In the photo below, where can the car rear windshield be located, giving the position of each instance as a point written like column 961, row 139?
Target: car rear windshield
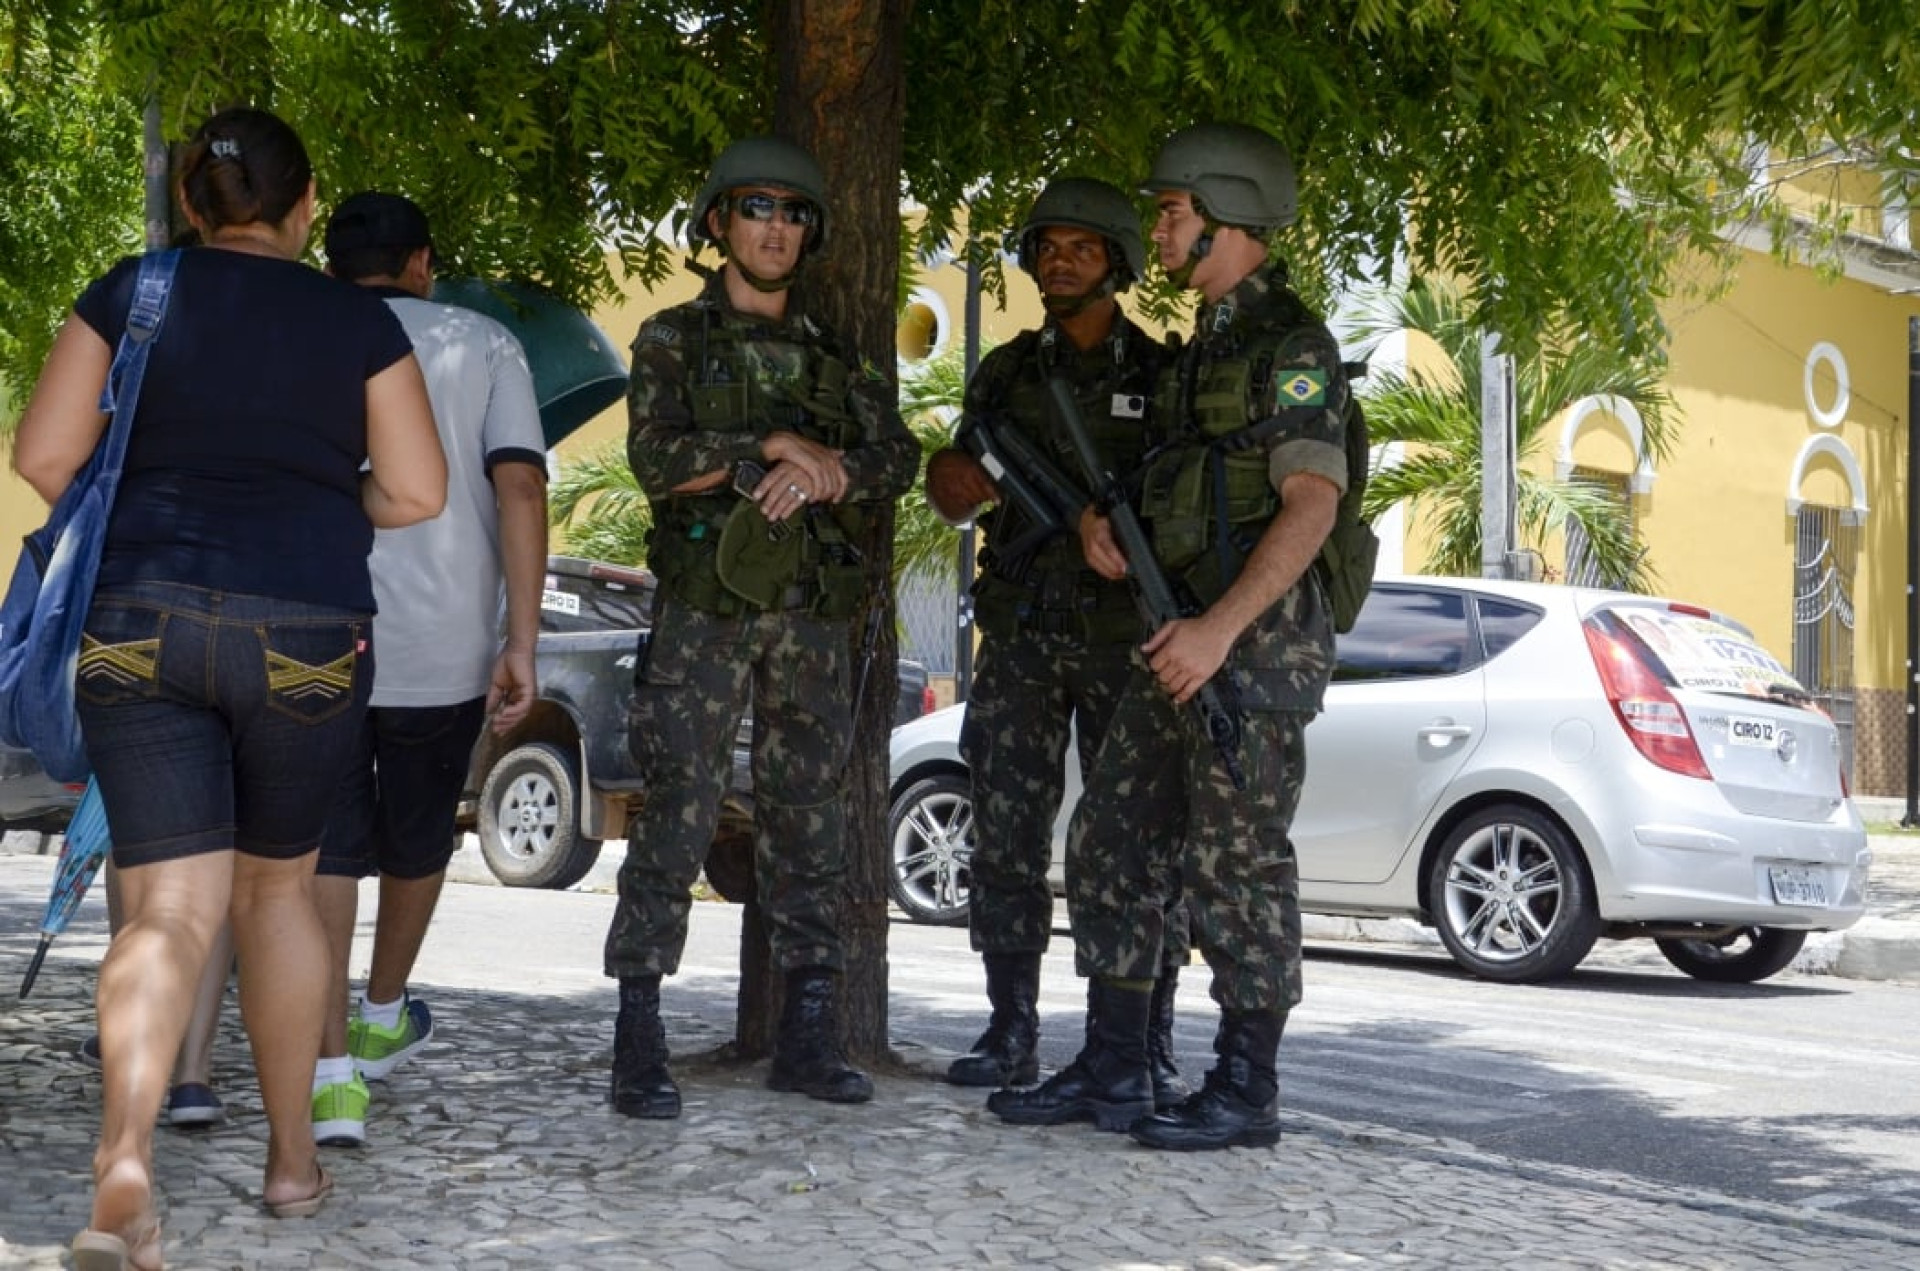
column 1707, row 655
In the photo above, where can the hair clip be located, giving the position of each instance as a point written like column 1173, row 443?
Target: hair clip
column 225, row 148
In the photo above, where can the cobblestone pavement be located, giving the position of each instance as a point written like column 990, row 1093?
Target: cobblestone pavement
column 495, row 1150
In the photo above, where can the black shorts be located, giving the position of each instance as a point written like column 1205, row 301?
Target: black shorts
column 396, row 807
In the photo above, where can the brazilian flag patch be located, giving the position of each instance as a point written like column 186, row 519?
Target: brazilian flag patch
column 1300, row 386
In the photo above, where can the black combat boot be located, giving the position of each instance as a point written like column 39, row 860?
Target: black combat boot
column 1238, row 1105
column 1107, row 1083
column 807, row 1057
column 1169, row 1087
column 1004, row 1055
column 642, row 1086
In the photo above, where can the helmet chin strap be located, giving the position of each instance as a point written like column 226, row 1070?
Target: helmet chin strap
column 767, row 286
column 1201, row 249
column 1069, row 306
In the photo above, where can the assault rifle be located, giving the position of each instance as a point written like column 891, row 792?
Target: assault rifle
column 1027, row 479
column 1152, row 591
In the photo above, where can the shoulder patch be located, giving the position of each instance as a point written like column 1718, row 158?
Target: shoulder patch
column 1300, row 386
column 659, row 333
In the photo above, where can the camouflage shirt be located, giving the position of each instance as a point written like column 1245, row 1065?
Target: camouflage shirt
column 1259, row 357
column 709, row 383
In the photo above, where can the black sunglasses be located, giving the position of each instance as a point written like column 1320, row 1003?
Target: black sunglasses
column 761, row 207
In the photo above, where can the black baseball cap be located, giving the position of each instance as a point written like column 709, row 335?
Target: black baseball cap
column 373, row 219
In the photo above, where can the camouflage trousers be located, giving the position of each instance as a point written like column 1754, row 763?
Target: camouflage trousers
column 696, row 679
column 1159, row 807
column 1031, row 694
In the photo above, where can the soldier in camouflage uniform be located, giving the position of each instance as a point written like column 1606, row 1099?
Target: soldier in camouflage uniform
column 1238, row 500
column 762, row 448
column 1056, row 639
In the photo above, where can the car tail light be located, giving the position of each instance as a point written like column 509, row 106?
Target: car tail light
column 928, row 703
column 1641, row 702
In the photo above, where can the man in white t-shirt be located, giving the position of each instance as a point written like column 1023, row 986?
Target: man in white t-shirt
column 441, row 668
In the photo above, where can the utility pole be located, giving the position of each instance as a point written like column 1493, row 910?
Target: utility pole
column 1497, row 484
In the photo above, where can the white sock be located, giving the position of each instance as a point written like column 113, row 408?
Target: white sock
column 382, row 1014
column 332, row 1070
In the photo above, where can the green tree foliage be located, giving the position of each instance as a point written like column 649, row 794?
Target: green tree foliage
column 1435, row 413
column 1561, row 153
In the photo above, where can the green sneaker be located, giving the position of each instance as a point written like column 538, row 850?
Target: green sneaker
column 378, row 1051
column 340, row 1113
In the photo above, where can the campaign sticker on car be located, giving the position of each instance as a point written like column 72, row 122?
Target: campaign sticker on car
column 1797, row 885
column 1745, row 730
column 560, row 602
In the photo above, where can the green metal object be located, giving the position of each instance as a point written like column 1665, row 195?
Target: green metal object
column 577, row 370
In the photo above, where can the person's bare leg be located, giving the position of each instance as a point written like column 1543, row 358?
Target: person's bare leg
column 284, row 980
column 172, row 912
column 339, row 902
column 194, row 1064
column 406, row 909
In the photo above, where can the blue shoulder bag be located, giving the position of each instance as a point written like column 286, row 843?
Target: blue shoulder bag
column 46, row 604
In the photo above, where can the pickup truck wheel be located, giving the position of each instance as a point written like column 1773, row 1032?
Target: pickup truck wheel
column 530, row 819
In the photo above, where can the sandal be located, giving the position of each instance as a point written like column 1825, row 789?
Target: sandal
column 306, row 1206
column 104, row 1251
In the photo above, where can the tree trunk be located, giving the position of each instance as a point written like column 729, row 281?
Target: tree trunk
column 842, row 94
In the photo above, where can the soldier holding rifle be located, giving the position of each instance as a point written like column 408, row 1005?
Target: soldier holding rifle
column 1056, row 637
column 1242, row 489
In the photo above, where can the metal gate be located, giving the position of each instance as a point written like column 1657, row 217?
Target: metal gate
column 1825, row 549
column 1582, row 571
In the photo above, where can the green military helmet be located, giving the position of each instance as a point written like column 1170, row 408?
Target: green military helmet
column 768, row 161
column 1087, row 204
column 1237, row 173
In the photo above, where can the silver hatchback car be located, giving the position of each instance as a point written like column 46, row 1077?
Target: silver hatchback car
column 1527, row 768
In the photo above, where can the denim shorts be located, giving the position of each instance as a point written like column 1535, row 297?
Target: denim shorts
column 219, row 720
column 397, row 803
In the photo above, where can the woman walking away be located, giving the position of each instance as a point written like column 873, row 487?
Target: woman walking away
column 228, row 654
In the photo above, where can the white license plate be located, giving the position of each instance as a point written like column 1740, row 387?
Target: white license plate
column 1792, row 886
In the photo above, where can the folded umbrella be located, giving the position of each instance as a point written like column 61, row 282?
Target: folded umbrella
column 80, row 859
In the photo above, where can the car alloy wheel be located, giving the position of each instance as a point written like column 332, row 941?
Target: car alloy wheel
column 1510, row 894
column 1743, row 956
column 930, row 832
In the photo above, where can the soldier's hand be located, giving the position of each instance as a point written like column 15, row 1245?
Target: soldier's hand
column 957, row 485
column 1186, row 653
column 813, row 470
column 1099, row 546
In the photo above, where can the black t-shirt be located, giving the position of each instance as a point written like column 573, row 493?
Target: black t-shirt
column 243, row 466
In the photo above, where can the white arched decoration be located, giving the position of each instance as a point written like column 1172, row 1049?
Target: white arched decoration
column 1828, row 444
column 931, row 307
column 1830, row 416
column 1641, row 481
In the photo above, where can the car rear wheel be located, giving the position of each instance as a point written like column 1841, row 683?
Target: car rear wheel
column 530, row 819
column 1511, row 897
column 931, row 832
column 1745, row 956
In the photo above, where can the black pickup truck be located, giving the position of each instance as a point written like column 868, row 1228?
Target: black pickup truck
column 542, row 798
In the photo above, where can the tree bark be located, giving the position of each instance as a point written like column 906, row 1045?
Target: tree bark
column 841, row 93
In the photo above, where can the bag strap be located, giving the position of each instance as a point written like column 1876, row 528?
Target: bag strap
column 121, row 396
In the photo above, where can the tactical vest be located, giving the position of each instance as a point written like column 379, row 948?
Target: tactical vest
column 758, row 377
column 1209, row 503
column 1051, row 589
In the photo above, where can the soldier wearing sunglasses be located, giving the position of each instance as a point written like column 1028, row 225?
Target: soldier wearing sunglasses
column 763, row 448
